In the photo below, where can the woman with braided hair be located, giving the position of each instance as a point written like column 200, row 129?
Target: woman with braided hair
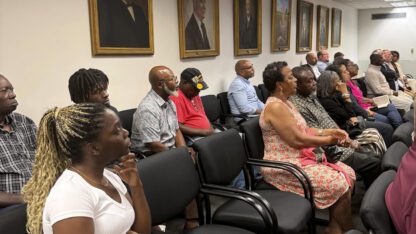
column 70, row 190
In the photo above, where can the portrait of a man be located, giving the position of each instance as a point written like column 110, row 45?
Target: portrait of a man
column 196, row 36
column 322, row 29
column 304, row 26
column 281, row 25
column 198, row 28
column 247, row 27
column 336, row 27
column 248, row 24
column 122, row 26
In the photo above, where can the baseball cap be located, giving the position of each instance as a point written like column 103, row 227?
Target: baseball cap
column 194, row 76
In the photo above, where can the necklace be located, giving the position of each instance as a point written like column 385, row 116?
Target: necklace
column 105, row 184
column 194, row 105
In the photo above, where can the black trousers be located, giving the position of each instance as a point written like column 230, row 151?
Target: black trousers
column 385, row 130
column 366, row 165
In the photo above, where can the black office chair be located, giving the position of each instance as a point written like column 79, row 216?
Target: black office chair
column 228, row 117
column 170, row 182
column 393, row 156
column 254, row 144
column 264, row 91
column 13, row 219
column 220, row 158
column 212, row 109
column 403, row 133
column 409, row 116
column 259, row 93
column 126, row 118
column 373, row 211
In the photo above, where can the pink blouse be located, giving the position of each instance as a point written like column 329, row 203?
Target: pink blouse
column 356, row 91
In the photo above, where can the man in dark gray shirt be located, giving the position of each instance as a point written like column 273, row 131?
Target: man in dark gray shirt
column 316, row 116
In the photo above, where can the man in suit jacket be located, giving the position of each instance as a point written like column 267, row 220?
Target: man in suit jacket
column 248, row 26
column 122, row 23
column 195, row 32
column 311, row 61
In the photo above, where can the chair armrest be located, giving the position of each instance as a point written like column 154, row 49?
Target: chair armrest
column 261, row 205
column 293, row 169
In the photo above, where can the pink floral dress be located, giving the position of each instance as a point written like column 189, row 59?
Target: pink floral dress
column 328, row 184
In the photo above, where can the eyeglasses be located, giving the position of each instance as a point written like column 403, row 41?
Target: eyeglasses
column 244, row 68
column 7, row 90
column 172, row 78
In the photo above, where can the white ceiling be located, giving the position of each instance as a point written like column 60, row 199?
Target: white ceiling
column 367, row 4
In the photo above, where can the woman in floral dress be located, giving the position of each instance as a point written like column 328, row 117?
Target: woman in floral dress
column 288, row 138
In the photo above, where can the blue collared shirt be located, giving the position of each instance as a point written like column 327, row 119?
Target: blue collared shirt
column 242, row 97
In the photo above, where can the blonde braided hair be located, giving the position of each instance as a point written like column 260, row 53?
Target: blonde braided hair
column 59, row 141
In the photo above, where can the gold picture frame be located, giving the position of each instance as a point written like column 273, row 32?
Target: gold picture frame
column 281, row 24
column 304, row 24
column 198, row 38
column 121, row 29
column 247, row 27
column 336, row 27
column 322, row 29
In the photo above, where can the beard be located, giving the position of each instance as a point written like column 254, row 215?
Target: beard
column 170, row 92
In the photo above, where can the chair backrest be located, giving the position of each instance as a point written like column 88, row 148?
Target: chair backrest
column 362, row 86
column 264, row 92
column 170, row 183
column 221, row 157
column 225, row 106
column 403, row 133
column 212, row 107
column 126, row 117
column 253, row 138
column 259, row 93
column 13, row 219
column 373, row 211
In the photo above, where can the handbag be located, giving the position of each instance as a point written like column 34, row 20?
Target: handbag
column 357, row 129
column 333, row 153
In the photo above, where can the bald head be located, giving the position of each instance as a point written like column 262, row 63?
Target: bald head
column 311, row 59
column 159, row 73
column 244, row 68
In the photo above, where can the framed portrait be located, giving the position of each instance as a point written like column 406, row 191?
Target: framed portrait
column 322, row 30
column 121, row 27
column 281, row 18
column 198, row 28
column 304, row 26
column 336, row 27
column 247, row 27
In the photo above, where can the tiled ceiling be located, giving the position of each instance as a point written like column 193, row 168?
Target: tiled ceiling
column 367, row 4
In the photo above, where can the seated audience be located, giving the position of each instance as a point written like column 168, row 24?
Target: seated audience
column 311, row 61
column 155, row 125
column 193, row 122
column 316, row 117
column 409, row 85
column 387, row 114
column 70, row 190
column 377, row 84
column 323, row 60
column 338, row 55
column 89, row 85
column 338, row 102
column 287, row 138
column 393, row 78
column 241, row 94
column 400, row 195
column 17, row 146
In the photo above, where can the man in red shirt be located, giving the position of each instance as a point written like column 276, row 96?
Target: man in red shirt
column 192, row 119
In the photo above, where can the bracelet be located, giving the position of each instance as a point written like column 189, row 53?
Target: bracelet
column 320, row 132
column 345, row 95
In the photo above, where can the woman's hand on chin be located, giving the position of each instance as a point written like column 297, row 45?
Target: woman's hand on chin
column 127, row 170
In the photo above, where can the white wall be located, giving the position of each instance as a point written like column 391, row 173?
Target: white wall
column 43, row 42
column 394, row 34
